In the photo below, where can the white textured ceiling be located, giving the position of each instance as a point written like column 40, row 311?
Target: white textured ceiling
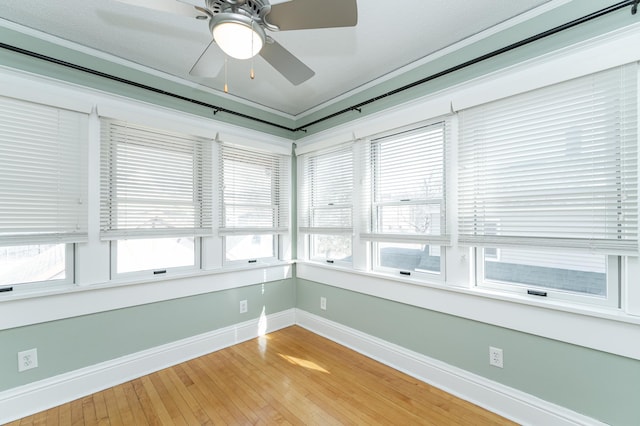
column 389, row 35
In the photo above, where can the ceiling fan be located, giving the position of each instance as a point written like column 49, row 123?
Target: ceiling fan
column 239, row 28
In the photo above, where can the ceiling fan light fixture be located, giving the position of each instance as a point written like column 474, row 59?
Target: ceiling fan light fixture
column 237, row 36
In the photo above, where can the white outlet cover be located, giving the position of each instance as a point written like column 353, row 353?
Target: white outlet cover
column 496, row 357
column 243, row 306
column 27, row 359
column 323, row 303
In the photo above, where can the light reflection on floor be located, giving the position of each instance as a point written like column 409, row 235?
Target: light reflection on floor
column 310, row 365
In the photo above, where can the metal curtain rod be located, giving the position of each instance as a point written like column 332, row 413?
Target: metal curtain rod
column 357, row 107
column 215, row 108
column 555, row 30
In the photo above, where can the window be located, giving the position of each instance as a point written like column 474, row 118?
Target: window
column 43, row 191
column 156, row 197
column 549, row 178
column 254, row 203
column 542, row 270
column 326, row 203
column 407, row 204
column 35, row 263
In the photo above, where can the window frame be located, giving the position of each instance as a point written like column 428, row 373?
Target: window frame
column 201, row 178
column 154, row 272
column 308, row 205
column 69, row 279
column 373, row 203
column 422, row 275
column 614, row 273
column 249, row 261
column 280, row 188
column 328, row 260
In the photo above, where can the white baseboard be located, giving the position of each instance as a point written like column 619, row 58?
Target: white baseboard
column 516, row 405
column 506, row 401
column 35, row 397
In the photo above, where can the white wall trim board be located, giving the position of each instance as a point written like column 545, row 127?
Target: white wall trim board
column 130, row 64
column 604, row 330
column 563, row 64
column 33, row 87
column 74, row 300
column 503, row 400
column 545, row 8
column 35, row 397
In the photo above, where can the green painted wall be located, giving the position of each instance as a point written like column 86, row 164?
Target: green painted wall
column 74, row 343
column 597, row 384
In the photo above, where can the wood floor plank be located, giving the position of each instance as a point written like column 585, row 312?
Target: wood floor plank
column 290, row 377
column 368, row 379
column 28, row 421
column 101, row 409
column 89, row 411
column 200, row 393
column 64, row 414
column 224, row 388
column 303, row 382
column 154, row 409
column 163, row 397
column 113, row 410
column 189, row 406
column 294, row 394
column 77, row 414
column 136, row 405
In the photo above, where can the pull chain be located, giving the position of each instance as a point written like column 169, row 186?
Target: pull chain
column 226, row 88
column 252, row 73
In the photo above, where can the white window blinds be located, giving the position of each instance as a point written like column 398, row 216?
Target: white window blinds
column 326, row 191
column 555, row 167
column 43, row 176
column 407, row 186
column 254, row 196
column 153, row 183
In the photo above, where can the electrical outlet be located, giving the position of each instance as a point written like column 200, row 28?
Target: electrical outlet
column 495, row 357
column 323, row 303
column 243, row 306
column 27, row 359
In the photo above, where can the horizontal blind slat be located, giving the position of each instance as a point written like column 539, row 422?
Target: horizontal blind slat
column 254, row 196
column 553, row 166
column 154, row 183
column 326, row 191
column 43, row 178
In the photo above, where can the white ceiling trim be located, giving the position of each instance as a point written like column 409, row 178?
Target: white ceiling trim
column 547, row 7
column 130, row 64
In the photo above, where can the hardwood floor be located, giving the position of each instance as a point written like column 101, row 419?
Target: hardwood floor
column 291, row 376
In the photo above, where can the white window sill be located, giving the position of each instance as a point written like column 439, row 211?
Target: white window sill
column 35, row 305
column 607, row 329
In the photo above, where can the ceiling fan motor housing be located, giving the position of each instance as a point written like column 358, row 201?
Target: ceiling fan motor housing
column 254, row 10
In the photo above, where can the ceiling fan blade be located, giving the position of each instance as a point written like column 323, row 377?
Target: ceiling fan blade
column 169, row 6
column 310, row 14
column 209, row 62
column 285, row 63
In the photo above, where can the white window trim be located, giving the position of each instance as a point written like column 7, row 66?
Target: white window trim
column 603, row 329
column 411, row 275
column 69, row 278
column 333, row 262
column 27, row 307
column 612, row 300
column 567, row 63
column 155, row 273
column 267, row 260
